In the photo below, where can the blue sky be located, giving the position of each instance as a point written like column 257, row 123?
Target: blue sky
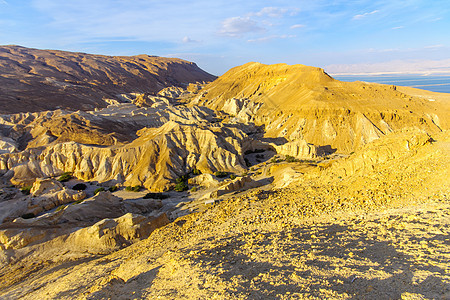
column 347, row 36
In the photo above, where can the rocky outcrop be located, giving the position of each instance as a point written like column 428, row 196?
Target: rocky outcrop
column 204, row 180
column 109, row 235
column 46, row 194
column 238, row 184
column 297, row 149
column 153, row 160
column 38, row 80
column 374, row 155
column 19, row 232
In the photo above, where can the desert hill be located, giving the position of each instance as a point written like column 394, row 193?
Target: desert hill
column 302, row 102
column 271, row 182
column 35, row 80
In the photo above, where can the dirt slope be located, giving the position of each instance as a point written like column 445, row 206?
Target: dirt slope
column 302, row 102
column 36, row 80
column 325, row 237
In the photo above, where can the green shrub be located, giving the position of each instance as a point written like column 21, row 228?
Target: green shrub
column 100, row 189
column 220, row 174
column 194, row 189
column 66, row 176
column 182, row 178
column 159, row 196
column 196, row 172
column 113, row 188
column 79, row 187
column 290, row 159
column 232, row 177
column 77, row 202
column 27, row 216
column 181, row 186
column 60, row 208
column 26, row 190
column 136, row 188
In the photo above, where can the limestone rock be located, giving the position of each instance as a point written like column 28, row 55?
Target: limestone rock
column 7, row 145
column 204, row 180
column 238, row 184
column 109, row 235
column 298, row 149
column 153, row 160
column 45, row 186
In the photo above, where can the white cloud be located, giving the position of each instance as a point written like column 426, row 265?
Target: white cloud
column 237, row 26
column 3, row 2
column 358, row 17
column 398, row 27
column 188, row 40
column 297, row 26
column 271, row 37
column 273, row 12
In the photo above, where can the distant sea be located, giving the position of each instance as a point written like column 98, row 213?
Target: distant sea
column 434, row 83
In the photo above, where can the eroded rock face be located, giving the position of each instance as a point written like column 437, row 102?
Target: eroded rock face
column 153, row 160
column 38, row 80
column 204, row 180
column 304, row 103
column 109, row 235
column 19, row 232
column 46, row 194
column 297, row 149
column 45, row 186
column 401, row 144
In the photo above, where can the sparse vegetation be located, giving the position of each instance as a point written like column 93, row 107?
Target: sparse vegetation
column 220, row 174
column 159, row 196
column 77, row 202
column 182, row 183
column 79, row 187
column 100, row 189
column 182, row 178
column 194, row 189
column 113, row 188
column 196, row 172
column 26, row 190
column 181, row 186
column 136, row 188
column 232, row 177
column 60, row 208
column 290, row 159
column 66, row 176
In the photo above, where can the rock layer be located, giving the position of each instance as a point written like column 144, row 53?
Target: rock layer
column 304, row 103
column 36, row 80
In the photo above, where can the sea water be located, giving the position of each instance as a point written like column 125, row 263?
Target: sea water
column 434, row 83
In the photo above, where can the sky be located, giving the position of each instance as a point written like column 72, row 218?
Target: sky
column 360, row 36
